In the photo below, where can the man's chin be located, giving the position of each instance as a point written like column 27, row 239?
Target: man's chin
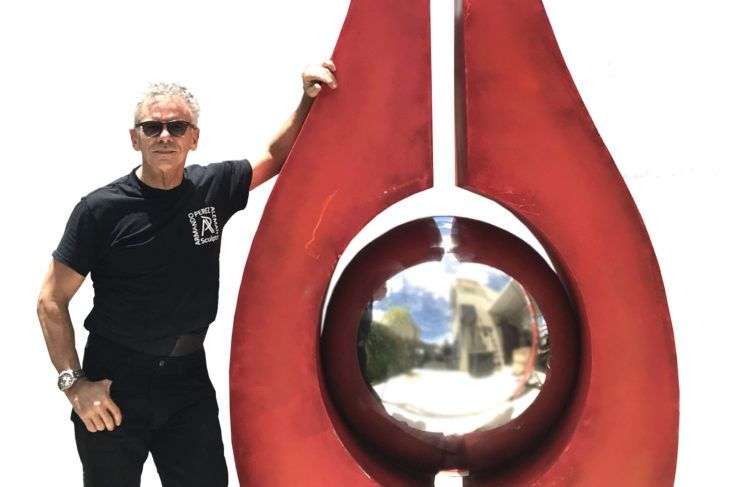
column 164, row 162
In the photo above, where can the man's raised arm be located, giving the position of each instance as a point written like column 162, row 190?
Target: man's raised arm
column 269, row 164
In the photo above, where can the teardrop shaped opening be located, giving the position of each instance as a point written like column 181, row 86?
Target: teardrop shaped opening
column 446, row 333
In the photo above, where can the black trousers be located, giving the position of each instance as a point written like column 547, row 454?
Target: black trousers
column 169, row 409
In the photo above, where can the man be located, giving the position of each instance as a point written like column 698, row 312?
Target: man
column 151, row 241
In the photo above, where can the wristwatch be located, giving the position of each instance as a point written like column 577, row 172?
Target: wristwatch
column 67, row 378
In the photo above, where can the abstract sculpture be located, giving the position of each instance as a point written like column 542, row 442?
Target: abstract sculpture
column 525, row 141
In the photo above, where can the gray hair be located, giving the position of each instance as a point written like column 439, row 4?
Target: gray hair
column 156, row 90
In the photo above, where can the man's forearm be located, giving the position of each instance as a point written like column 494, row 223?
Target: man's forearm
column 90, row 400
column 314, row 77
column 270, row 163
column 58, row 334
column 282, row 143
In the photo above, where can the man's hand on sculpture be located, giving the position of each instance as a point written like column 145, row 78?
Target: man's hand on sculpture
column 93, row 404
column 315, row 75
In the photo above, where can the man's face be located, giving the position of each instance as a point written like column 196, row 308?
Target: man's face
column 165, row 151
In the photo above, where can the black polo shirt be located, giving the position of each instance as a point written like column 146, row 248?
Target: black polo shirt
column 153, row 254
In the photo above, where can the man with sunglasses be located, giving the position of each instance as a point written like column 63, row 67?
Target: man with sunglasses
column 150, row 240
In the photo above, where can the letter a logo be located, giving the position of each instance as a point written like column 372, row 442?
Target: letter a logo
column 208, row 224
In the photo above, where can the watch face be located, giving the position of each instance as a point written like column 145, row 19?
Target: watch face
column 65, row 380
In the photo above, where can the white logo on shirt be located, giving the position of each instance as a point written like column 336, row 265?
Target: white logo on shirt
column 209, row 227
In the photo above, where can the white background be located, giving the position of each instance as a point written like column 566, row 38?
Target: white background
column 665, row 83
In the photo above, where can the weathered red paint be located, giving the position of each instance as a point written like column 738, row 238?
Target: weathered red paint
column 525, row 141
column 362, row 148
column 531, row 146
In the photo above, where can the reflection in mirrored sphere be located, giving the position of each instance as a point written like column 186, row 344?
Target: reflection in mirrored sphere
column 453, row 347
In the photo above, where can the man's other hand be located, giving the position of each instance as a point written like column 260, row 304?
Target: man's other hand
column 315, row 75
column 93, row 404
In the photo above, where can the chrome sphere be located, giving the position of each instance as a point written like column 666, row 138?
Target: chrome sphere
column 453, row 347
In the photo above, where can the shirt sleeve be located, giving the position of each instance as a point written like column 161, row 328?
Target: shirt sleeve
column 239, row 174
column 78, row 246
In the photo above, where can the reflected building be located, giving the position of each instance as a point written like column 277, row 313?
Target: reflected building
column 493, row 329
column 478, row 341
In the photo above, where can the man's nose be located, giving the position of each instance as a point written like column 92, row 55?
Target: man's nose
column 164, row 132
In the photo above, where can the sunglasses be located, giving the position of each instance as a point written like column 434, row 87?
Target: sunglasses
column 176, row 128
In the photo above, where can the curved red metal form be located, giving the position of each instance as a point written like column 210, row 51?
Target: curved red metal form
column 530, row 145
column 362, row 148
column 408, row 245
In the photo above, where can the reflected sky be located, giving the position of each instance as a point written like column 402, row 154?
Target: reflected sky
column 425, row 290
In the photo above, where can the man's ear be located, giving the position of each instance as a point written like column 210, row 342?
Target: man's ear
column 196, row 136
column 134, row 140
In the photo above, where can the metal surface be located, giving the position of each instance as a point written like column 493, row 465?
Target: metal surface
column 453, row 347
column 478, row 248
column 527, row 142
column 375, row 127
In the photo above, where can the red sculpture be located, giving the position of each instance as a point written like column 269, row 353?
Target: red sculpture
column 525, row 141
